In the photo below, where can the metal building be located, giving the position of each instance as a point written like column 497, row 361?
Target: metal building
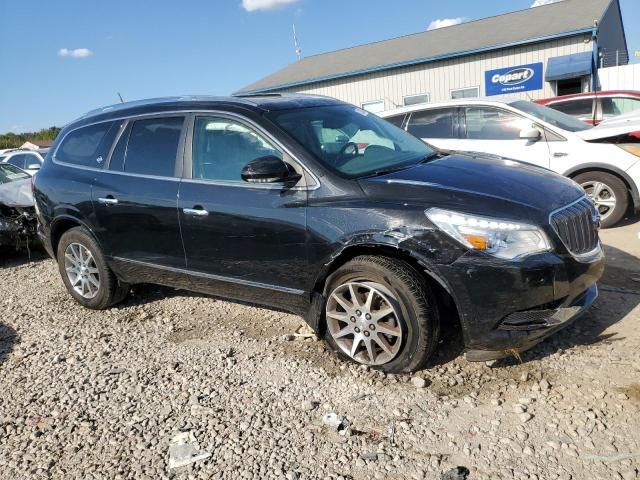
column 540, row 52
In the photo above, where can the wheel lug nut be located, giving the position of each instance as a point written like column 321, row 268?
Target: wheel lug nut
column 353, row 319
column 367, row 316
column 358, row 312
column 372, row 327
column 366, row 334
column 357, row 330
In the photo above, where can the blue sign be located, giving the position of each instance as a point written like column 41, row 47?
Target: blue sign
column 522, row 78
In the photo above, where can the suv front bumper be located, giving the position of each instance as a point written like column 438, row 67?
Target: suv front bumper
column 508, row 307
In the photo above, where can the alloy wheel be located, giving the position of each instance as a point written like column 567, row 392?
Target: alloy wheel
column 82, row 271
column 603, row 197
column 364, row 322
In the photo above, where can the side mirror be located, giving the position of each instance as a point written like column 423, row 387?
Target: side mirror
column 533, row 134
column 269, row 169
column 34, row 166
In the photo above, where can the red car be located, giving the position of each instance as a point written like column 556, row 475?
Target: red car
column 594, row 107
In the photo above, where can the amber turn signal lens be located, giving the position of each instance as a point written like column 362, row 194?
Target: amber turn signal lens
column 477, row 241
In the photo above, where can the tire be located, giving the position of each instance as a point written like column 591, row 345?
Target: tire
column 612, row 188
column 108, row 291
column 413, row 327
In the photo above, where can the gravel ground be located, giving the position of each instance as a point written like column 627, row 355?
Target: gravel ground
column 101, row 394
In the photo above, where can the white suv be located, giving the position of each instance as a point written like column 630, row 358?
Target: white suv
column 604, row 160
column 27, row 160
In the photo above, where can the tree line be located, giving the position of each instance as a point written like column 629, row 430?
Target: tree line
column 15, row 140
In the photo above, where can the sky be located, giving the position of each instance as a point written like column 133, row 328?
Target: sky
column 60, row 59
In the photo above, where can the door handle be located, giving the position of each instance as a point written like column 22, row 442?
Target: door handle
column 196, row 212
column 560, row 154
column 109, row 200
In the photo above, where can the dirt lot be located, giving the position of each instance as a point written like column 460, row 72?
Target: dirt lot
column 101, row 394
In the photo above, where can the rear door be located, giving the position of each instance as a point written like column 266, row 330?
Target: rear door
column 135, row 198
column 496, row 131
column 241, row 239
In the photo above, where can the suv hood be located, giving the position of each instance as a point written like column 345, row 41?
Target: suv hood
column 613, row 127
column 478, row 184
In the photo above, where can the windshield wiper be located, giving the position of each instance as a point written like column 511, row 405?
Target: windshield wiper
column 386, row 171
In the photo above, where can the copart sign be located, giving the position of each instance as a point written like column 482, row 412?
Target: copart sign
column 522, row 78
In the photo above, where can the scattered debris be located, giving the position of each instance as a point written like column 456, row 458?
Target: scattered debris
column 184, row 450
column 338, row 423
column 458, row 473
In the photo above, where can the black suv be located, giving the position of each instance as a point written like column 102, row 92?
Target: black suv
column 317, row 207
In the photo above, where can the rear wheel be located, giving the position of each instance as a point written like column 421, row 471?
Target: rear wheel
column 85, row 273
column 381, row 312
column 608, row 192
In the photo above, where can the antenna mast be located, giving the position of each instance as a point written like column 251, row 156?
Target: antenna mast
column 296, row 44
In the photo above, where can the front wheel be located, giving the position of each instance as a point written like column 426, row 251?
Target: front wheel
column 85, row 273
column 609, row 194
column 381, row 312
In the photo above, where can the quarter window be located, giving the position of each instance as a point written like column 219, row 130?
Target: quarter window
column 437, row 123
column 484, row 123
column 223, row 147
column 472, row 92
column 153, row 146
column 88, row 146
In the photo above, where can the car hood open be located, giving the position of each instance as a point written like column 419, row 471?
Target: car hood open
column 16, row 194
column 475, row 182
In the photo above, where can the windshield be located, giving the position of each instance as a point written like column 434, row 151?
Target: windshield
column 9, row 173
column 549, row 115
column 350, row 140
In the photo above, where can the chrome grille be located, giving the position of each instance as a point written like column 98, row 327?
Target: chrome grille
column 577, row 226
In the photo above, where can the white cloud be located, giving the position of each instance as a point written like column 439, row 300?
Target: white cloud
column 253, row 5
column 75, row 52
column 539, row 3
column 446, row 22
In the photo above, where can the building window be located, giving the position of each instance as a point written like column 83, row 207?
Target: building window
column 471, row 92
column 416, row 99
column 374, row 107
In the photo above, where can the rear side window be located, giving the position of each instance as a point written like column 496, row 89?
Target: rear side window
column 88, row 146
column 582, row 108
column 437, row 123
column 153, row 146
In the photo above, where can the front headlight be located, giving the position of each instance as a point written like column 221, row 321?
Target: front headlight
column 500, row 238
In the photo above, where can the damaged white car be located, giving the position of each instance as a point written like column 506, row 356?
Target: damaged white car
column 604, row 160
column 17, row 212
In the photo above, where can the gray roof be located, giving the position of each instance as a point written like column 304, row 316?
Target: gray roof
column 534, row 24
